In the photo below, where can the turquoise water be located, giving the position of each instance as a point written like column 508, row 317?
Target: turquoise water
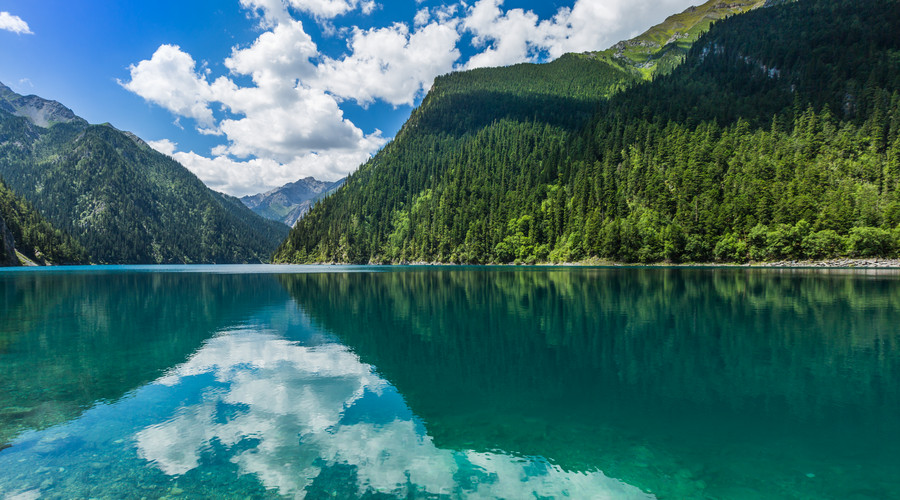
column 357, row 382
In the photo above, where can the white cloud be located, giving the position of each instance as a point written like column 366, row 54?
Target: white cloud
column 275, row 11
column 242, row 178
column 270, row 11
column 511, row 34
column 422, row 17
column 15, row 24
column 327, row 9
column 164, row 146
column 170, row 80
column 288, row 124
column 284, row 52
column 282, row 128
column 391, row 63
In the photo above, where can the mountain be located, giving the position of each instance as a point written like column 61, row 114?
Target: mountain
column 41, row 112
column 23, row 229
column 291, row 201
column 661, row 48
column 777, row 137
column 123, row 201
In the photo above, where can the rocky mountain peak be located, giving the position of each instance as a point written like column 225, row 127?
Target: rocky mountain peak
column 42, row 112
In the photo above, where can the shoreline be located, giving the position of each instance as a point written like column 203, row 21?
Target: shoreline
column 783, row 264
column 871, row 263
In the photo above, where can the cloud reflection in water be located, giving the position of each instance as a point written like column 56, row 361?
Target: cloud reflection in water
column 281, row 408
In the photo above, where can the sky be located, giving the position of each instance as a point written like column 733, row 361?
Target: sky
column 252, row 94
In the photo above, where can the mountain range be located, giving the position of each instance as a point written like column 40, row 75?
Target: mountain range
column 775, row 135
column 124, row 202
column 290, row 202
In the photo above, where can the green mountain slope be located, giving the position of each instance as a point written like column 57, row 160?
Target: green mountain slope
column 661, row 48
column 776, row 138
column 455, row 136
column 23, row 229
column 125, row 202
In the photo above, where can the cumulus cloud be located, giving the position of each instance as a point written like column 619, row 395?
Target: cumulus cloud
column 391, row 64
column 288, row 124
column 507, row 36
column 422, row 17
column 169, row 79
column 15, row 24
column 327, row 9
column 257, row 175
column 275, row 11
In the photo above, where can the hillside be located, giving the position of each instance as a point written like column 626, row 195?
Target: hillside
column 123, row 201
column 290, row 202
column 454, row 136
column 7, row 246
column 777, row 137
column 661, row 49
column 23, row 229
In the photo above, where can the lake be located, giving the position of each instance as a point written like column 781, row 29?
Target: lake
column 449, row 382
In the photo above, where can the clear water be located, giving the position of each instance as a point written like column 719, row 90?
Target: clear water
column 355, row 382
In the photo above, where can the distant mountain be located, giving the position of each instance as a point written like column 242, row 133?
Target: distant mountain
column 290, row 202
column 41, row 112
column 23, row 229
column 122, row 200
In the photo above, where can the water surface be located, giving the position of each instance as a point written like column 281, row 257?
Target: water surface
column 356, row 382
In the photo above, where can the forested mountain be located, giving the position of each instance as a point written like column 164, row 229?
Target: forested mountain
column 291, row 201
column 123, row 201
column 777, row 137
column 23, row 229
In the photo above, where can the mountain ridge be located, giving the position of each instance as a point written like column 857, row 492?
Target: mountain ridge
column 291, row 201
column 42, row 112
column 124, row 201
column 662, row 47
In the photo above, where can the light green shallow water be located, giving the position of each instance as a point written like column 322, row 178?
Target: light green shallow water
column 356, row 382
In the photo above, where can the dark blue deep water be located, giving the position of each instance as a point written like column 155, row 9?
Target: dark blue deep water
column 359, row 382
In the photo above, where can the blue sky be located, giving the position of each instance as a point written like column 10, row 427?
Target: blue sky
column 252, row 94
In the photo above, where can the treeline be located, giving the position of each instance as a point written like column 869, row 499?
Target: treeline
column 34, row 237
column 779, row 137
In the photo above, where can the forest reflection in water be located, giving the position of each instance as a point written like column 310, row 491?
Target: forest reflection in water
column 732, row 378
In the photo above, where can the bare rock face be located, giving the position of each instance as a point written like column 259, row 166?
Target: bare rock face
column 42, row 112
column 7, row 246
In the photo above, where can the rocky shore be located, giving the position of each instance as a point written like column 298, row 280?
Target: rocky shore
column 847, row 263
column 830, row 263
